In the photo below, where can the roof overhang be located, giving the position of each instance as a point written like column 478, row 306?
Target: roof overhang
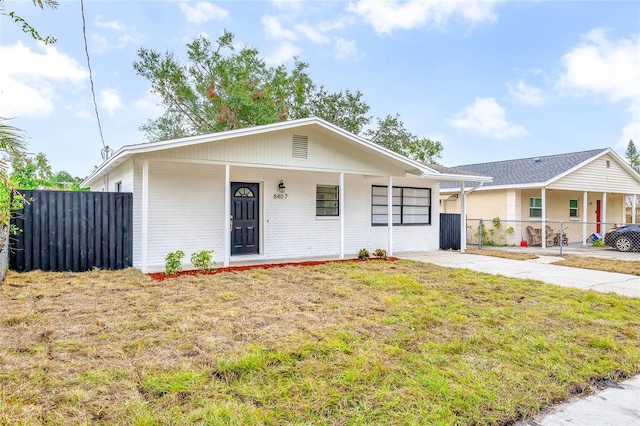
column 409, row 166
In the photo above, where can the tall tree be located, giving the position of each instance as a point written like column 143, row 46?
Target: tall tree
column 392, row 134
column 633, row 156
column 220, row 88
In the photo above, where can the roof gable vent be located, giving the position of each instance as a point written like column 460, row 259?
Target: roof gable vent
column 300, row 147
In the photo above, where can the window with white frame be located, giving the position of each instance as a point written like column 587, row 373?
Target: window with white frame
column 573, row 208
column 411, row 206
column 327, row 197
column 535, row 207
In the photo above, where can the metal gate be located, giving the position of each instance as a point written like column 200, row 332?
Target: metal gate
column 449, row 231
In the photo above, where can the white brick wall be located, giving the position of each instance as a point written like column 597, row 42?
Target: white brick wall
column 186, row 203
column 358, row 230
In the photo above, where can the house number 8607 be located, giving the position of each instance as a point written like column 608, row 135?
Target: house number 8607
column 280, row 196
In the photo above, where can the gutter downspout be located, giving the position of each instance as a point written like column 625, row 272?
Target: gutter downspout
column 463, row 215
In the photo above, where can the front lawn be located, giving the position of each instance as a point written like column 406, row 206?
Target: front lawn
column 341, row 343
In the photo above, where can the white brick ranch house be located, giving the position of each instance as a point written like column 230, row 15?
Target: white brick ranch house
column 290, row 190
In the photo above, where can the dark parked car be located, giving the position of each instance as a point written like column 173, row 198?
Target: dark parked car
column 625, row 238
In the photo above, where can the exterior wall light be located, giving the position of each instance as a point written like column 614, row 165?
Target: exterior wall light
column 281, row 187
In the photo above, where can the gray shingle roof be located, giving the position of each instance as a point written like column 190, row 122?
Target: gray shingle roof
column 451, row 170
column 531, row 170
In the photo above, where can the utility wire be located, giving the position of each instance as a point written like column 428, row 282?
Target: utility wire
column 105, row 149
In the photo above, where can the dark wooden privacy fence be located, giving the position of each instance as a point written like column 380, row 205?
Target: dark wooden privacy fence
column 73, row 231
column 449, row 231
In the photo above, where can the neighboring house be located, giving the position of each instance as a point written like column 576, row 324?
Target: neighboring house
column 296, row 189
column 588, row 187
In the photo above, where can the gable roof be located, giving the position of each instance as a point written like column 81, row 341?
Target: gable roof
column 536, row 171
column 411, row 166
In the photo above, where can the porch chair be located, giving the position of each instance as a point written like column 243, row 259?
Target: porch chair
column 535, row 239
column 550, row 236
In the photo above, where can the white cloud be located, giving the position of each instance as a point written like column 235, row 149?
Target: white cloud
column 312, row 34
column 608, row 68
column 111, row 25
column 346, row 50
column 101, row 42
column 285, row 52
column 390, row 15
column 274, row 29
column 526, row 94
column 202, row 12
column 110, row 100
column 487, row 118
column 30, row 80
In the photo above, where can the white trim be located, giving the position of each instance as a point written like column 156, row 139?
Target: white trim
column 413, row 167
column 390, row 215
column 227, row 216
column 634, row 204
column 267, row 166
column 603, row 216
column 585, row 203
column 341, row 213
column 145, row 218
column 543, row 225
column 463, row 221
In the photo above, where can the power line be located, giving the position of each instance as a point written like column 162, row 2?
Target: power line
column 106, row 151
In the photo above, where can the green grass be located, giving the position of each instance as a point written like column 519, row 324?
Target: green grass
column 345, row 343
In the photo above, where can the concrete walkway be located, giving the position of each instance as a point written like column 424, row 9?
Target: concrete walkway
column 618, row 405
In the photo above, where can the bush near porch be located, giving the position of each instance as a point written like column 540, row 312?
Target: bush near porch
column 358, row 343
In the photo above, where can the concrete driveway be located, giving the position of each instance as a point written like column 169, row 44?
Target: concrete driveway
column 618, row 405
column 536, row 269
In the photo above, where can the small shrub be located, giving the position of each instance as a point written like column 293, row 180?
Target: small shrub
column 363, row 254
column 203, row 261
column 173, row 262
column 598, row 243
column 380, row 253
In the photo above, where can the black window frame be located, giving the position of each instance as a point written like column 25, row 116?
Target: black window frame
column 335, row 200
column 401, row 205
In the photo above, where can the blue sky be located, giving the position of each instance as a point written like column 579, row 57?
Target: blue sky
column 492, row 80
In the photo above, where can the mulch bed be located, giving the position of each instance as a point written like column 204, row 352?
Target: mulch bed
column 161, row 276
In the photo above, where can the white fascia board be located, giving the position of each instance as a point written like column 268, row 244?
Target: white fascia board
column 494, row 187
column 457, row 178
column 126, row 151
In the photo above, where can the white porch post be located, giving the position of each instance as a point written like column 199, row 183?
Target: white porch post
column 634, row 203
column 226, row 216
column 584, row 217
column 341, row 213
column 543, row 225
column 463, row 216
column 144, row 262
column 603, row 217
column 390, row 215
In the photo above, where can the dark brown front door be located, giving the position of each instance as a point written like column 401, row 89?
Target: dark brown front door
column 244, row 216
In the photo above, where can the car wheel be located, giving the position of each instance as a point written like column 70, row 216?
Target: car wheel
column 623, row 243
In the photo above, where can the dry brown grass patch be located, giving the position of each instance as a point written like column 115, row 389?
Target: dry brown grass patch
column 503, row 254
column 610, row 265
